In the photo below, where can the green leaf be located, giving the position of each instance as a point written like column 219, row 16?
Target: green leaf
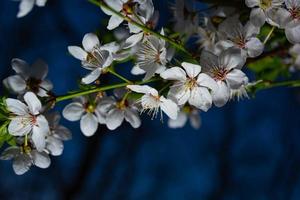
column 269, row 68
column 5, row 137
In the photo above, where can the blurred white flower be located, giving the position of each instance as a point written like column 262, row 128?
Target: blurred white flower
column 27, row 5
column 27, row 119
column 207, row 37
column 152, row 56
column 263, row 10
column 24, row 157
column 241, row 92
column 234, row 34
column 56, row 136
column 119, row 109
column 225, row 69
column 295, row 54
column 187, row 113
column 190, row 86
column 93, row 57
column 88, row 112
column 152, row 102
column 28, row 78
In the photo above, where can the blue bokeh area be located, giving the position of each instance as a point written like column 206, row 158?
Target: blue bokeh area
column 245, row 150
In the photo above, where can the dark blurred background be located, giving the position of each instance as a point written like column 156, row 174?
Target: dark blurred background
column 246, row 150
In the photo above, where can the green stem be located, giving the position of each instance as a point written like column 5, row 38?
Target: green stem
column 100, row 89
column 269, row 35
column 142, row 26
column 263, row 85
column 118, row 75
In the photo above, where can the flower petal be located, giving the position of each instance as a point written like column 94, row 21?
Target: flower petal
column 10, row 153
column 144, row 89
column 206, row 81
column 180, row 93
column 91, row 77
column 179, row 122
column 221, row 95
column 39, row 132
column 54, row 145
column 25, row 7
column 174, row 73
column 39, row 70
column 235, row 78
column 90, row 40
column 114, row 22
column 34, row 104
column 19, row 126
column 114, row 118
column 192, row 70
column 22, row 163
column 20, row 67
column 257, row 17
column 40, row 159
column 88, row 124
column 132, row 117
column 15, row 83
column 169, row 107
column 133, row 40
column 17, row 107
column 254, row 47
column 77, row 52
column 73, row 111
column 201, row 98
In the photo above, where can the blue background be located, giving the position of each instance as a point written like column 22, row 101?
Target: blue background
column 246, row 150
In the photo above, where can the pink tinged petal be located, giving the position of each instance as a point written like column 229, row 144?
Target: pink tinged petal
column 254, row 47
column 21, row 164
column 169, row 108
column 40, row 159
column 33, row 103
column 25, row 7
column 89, row 124
column 10, row 153
column 252, row 3
column 77, row 52
column 133, row 40
column 132, row 117
column 221, row 96
column 195, row 120
column 20, row 67
column 90, row 40
column 73, row 111
column 180, row 93
column 293, row 34
column 174, row 73
column 257, row 17
column 205, row 80
column 192, row 70
column 91, row 77
column 19, row 126
column 232, row 58
column 17, row 107
column 15, row 83
column 114, row 22
column 55, row 146
column 235, row 78
column 144, row 89
column 114, row 118
column 201, row 98
column 179, row 122
column 39, row 132
column 39, row 70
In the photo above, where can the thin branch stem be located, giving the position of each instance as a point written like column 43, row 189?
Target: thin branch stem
column 269, row 35
column 100, row 89
column 118, row 75
column 142, row 26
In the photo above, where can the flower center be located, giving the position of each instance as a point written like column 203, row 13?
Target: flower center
column 90, row 108
column 220, row 73
column 191, row 83
column 122, row 105
column 95, row 58
column 33, row 84
column 265, row 4
column 240, row 42
column 33, row 120
column 128, row 8
column 295, row 13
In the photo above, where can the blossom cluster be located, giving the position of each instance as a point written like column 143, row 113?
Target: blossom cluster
column 177, row 85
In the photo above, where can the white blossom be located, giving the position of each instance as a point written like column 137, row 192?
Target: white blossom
column 225, row 69
column 234, row 34
column 29, row 78
column 27, row 119
column 190, row 86
column 56, row 136
column 119, row 109
column 27, row 5
column 93, row 57
column 263, row 10
column 154, row 103
column 24, row 157
column 88, row 112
